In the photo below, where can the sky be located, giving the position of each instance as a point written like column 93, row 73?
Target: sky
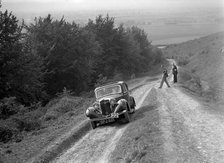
column 71, row 5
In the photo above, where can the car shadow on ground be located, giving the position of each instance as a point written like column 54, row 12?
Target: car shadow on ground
column 139, row 114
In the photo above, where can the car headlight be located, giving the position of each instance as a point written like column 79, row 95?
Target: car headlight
column 112, row 101
column 88, row 111
column 96, row 105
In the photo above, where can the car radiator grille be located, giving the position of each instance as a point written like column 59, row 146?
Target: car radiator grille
column 105, row 107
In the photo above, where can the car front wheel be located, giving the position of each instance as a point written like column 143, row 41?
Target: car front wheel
column 132, row 110
column 126, row 117
column 93, row 124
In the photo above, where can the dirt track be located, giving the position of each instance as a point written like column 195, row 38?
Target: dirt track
column 196, row 133
column 184, row 131
column 97, row 145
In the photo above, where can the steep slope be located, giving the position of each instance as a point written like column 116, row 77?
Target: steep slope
column 204, row 59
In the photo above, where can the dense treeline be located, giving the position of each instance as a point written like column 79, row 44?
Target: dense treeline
column 38, row 60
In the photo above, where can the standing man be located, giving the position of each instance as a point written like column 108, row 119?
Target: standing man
column 165, row 75
column 174, row 70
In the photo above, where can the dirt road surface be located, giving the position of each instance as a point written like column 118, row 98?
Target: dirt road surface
column 97, row 145
column 169, row 126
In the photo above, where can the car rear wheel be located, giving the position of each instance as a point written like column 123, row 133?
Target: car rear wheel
column 93, row 124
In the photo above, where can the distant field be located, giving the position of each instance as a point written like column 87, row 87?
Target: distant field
column 169, row 27
column 162, row 26
column 174, row 40
column 175, row 33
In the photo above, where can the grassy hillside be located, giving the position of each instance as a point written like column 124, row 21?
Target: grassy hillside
column 202, row 64
column 24, row 134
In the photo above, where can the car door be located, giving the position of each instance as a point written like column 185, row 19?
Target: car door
column 126, row 92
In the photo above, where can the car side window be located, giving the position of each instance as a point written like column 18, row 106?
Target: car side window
column 125, row 88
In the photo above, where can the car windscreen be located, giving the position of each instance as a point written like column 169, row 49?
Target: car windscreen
column 109, row 90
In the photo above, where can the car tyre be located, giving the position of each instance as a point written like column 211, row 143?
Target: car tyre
column 126, row 117
column 132, row 110
column 93, row 124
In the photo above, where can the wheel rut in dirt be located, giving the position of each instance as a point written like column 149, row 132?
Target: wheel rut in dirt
column 169, row 126
column 196, row 133
column 97, row 145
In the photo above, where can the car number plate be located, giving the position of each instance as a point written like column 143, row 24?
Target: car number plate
column 106, row 121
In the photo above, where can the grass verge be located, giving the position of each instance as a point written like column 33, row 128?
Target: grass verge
column 141, row 141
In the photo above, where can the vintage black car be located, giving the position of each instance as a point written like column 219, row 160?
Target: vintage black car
column 113, row 103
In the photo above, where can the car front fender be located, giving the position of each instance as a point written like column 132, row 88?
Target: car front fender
column 132, row 102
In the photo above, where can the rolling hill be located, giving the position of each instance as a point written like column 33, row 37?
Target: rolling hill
column 202, row 64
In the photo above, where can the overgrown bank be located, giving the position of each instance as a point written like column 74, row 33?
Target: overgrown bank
column 25, row 134
column 201, row 65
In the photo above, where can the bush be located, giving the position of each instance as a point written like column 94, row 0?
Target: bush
column 191, row 54
column 184, row 75
column 101, row 80
column 49, row 117
column 133, row 76
column 31, row 125
column 9, row 131
column 9, row 106
column 193, row 70
column 118, row 76
column 67, row 104
column 27, row 124
column 183, row 61
column 6, row 134
column 65, row 93
column 157, row 56
column 89, row 94
column 62, row 106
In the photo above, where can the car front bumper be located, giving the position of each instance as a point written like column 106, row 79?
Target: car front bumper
column 108, row 119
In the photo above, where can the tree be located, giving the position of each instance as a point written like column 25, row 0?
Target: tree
column 69, row 52
column 105, row 33
column 19, row 71
column 144, row 45
column 10, row 50
column 128, row 52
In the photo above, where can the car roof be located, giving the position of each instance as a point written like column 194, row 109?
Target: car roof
column 108, row 84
